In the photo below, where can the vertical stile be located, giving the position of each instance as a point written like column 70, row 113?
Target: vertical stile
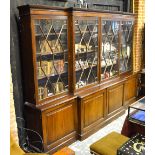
column 99, row 47
column 71, row 52
column 119, row 47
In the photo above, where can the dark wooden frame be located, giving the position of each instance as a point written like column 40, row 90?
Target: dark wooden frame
column 39, row 115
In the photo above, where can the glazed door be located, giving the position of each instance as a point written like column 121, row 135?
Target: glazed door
column 126, row 46
column 110, row 49
column 51, row 56
column 86, row 51
column 115, row 98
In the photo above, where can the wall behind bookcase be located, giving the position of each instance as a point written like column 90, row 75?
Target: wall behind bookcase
column 15, row 46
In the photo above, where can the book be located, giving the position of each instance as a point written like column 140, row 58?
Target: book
column 59, row 66
column 42, row 93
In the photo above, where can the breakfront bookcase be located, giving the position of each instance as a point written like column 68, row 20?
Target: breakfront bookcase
column 77, row 71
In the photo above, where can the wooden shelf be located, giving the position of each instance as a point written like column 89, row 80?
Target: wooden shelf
column 50, row 56
column 54, row 77
column 92, row 32
column 50, row 53
column 50, row 34
column 86, row 52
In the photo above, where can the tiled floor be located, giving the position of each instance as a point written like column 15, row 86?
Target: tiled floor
column 82, row 147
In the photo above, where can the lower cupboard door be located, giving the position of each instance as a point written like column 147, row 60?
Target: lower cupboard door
column 115, row 98
column 59, row 125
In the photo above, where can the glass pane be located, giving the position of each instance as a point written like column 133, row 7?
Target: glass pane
column 126, row 46
column 52, row 56
column 86, row 50
column 109, row 53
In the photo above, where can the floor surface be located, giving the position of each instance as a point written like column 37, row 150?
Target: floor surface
column 82, row 147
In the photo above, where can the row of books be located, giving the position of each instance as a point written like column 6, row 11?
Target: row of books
column 52, row 46
column 82, row 48
column 55, row 88
column 80, row 84
column 42, row 93
column 80, row 64
column 108, row 62
column 45, row 68
column 107, row 75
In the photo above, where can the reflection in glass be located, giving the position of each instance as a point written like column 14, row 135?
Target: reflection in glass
column 51, row 56
column 126, row 46
column 109, row 53
column 86, row 50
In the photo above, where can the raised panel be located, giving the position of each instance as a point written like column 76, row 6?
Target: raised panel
column 93, row 109
column 59, row 123
column 115, row 98
column 130, row 89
